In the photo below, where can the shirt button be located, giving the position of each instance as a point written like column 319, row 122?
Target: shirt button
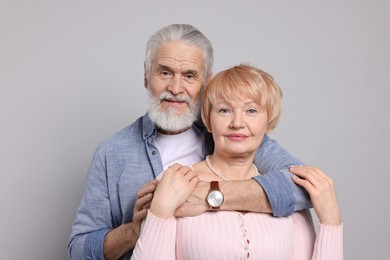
column 154, row 152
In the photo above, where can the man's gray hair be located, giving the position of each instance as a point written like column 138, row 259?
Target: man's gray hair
column 180, row 32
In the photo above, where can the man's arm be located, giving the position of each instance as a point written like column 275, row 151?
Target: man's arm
column 120, row 240
column 244, row 195
column 123, row 238
column 273, row 191
column 93, row 235
column 283, row 194
column 93, row 218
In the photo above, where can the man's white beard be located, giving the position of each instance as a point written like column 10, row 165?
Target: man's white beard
column 169, row 120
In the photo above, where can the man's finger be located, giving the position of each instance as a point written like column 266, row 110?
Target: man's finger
column 147, row 188
column 141, row 202
column 140, row 215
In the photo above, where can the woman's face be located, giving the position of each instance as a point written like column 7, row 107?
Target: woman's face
column 238, row 126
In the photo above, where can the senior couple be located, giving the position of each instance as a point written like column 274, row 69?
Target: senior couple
column 225, row 189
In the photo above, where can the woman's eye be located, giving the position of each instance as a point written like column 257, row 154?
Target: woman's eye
column 252, row 111
column 224, row 110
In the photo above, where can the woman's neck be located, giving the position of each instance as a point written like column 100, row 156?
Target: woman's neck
column 232, row 168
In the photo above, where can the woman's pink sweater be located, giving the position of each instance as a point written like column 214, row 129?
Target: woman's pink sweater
column 234, row 235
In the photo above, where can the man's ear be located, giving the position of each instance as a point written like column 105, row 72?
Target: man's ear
column 145, row 78
column 206, row 82
column 208, row 79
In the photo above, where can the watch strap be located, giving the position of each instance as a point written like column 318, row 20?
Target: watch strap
column 214, row 185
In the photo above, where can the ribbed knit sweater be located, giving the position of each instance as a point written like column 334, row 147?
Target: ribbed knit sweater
column 234, row 235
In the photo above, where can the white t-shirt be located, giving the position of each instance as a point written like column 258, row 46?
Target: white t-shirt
column 185, row 148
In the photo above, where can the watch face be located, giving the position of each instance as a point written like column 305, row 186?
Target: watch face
column 215, row 198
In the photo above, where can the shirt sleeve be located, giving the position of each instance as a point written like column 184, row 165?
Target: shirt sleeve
column 283, row 194
column 93, row 220
column 157, row 239
column 328, row 244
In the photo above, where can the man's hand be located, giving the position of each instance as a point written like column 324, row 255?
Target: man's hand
column 123, row 238
column 196, row 203
column 142, row 204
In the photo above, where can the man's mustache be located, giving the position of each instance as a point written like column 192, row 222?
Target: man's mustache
column 170, row 96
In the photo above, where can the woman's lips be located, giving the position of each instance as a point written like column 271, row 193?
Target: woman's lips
column 237, row 137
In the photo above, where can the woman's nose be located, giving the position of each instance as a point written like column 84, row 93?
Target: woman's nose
column 236, row 121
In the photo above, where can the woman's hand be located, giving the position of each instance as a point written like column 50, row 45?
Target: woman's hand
column 322, row 193
column 173, row 189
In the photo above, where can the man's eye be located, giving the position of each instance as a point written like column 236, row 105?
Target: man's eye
column 165, row 73
column 189, row 76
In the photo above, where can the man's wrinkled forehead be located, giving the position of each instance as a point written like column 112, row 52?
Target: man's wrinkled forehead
column 179, row 56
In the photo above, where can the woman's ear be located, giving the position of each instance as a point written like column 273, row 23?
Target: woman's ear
column 208, row 127
column 268, row 130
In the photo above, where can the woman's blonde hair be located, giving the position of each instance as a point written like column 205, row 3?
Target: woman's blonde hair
column 247, row 81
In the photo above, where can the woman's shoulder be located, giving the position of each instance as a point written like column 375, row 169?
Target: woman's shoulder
column 203, row 171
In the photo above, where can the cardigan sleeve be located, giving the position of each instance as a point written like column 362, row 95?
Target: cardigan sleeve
column 157, row 239
column 328, row 244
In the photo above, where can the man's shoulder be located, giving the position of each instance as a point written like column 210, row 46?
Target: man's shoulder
column 128, row 136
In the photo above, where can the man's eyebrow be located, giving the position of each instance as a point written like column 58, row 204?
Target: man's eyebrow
column 195, row 72
column 164, row 67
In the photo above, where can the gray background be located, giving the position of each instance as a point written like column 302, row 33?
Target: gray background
column 71, row 74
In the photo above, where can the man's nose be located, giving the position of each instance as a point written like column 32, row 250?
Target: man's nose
column 176, row 85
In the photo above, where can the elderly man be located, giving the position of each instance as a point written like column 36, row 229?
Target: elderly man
column 178, row 64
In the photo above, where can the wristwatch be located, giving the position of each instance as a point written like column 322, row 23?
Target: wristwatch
column 215, row 196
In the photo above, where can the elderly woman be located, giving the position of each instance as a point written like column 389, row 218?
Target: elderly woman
column 240, row 105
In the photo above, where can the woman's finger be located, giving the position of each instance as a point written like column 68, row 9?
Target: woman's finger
column 311, row 174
